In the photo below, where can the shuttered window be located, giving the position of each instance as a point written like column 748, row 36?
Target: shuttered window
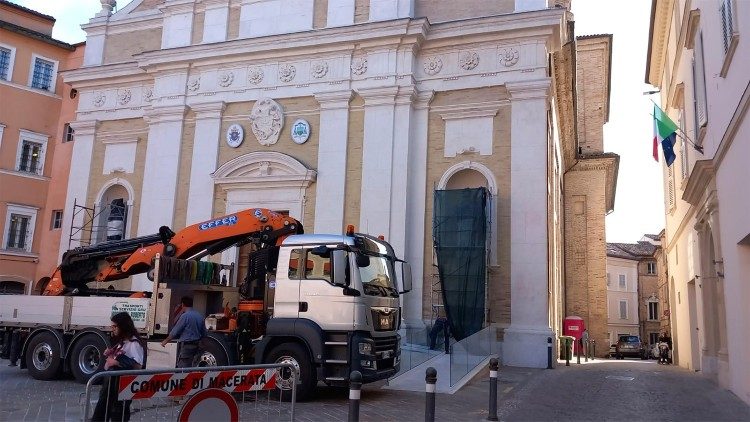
column 727, row 24
column 684, row 162
column 699, row 86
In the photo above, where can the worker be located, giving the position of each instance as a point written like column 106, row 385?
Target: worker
column 189, row 330
column 126, row 352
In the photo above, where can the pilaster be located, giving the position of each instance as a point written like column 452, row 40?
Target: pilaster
column 526, row 338
column 215, row 21
column 331, row 182
column 204, row 162
column 178, row 23
column 80, row 175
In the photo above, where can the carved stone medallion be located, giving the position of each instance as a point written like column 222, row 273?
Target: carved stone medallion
column 123, row 96
column 319, row 69
column 432, row 65
column 226, row 78
column 255, row 75
column 99, row 99
column 148, row 94
column 194, row 84
column 509, row 56
column 267, row 119
column 287, row 72
column 359, row 65
column 468, row 60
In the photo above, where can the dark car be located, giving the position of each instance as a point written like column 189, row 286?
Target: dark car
column 630, row 346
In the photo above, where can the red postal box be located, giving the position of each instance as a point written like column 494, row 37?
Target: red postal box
column 573, row 326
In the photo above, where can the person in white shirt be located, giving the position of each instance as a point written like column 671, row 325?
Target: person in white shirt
column 125, row 353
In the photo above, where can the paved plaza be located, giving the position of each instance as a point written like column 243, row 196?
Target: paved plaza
column 600, row 390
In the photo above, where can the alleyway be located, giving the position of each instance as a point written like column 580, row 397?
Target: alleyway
column 630, row 390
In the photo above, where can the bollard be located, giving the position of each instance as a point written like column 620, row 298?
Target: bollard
column 578, row 352
column 586, row 352
column 549, row 352
column 493, row 390
column 429, row 404
column 568, row 351
column 355, row 390
column 593, row 355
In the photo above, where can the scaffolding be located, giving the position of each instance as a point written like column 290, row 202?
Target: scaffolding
column 98, row 224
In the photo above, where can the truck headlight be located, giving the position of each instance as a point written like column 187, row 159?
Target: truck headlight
column 365, row 348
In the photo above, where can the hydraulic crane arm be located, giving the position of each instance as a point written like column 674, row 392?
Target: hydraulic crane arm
column 111, row 261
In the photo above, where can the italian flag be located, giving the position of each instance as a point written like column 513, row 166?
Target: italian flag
column 665, row 133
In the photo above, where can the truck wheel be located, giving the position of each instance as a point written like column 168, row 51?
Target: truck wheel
column 43, row 356
column 212, row 354
column 293, row 353
column 87, row 357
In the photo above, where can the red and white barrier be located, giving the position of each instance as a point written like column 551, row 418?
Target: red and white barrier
column 169, row 384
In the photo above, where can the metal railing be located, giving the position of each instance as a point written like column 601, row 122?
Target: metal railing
column 258, row 391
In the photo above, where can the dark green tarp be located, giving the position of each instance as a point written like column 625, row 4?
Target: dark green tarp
column 459, row 233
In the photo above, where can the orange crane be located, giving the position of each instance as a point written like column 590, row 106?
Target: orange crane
column 120, row 259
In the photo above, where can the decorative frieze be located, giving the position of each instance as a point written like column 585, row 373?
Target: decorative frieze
column 319, row 69
column 148, row 94
column 226, row 78
column 255, row 75
column 359, row 65
column 123, row 96
column 509, row 56
column 267, row 119
column 99, row 99
column 194, row 84
column 468, row 60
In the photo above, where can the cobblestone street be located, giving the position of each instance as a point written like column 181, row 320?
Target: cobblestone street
column 602, row 390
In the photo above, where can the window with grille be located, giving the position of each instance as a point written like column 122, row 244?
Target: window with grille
column 68, row 133
column 5, row 63
column 30, row 159
column 727, row 25
column 622, row 281
column 623, row 309
column 18, row 232
column 653, row 311
column 57, row 216
column 43, row 73
column 651, row 268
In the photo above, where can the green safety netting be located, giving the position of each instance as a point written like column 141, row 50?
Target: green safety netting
column 459, row 230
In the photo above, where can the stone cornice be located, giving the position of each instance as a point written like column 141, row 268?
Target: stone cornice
column 465, row 111
column 423, row 99
column 85, row 127
column 661, row 15
column 102, row 75
column 379, row 96
column 213, row 110
column 334, row 100
column 608, row 162
column 170, row 7
column 165, row 114
column 529, row 90
column 700, row 178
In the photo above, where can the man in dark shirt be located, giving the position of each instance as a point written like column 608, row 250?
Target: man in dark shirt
column 188, row 331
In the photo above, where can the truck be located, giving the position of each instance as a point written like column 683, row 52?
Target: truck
column 327, row 304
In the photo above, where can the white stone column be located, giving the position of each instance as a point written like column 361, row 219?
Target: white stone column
column 526, row 339
column 377, row 160
column 177, row 28
column 332, row 142
column 215, row 20
column 205, row 158
column 416, row 206
column 78, row 180
column 340, row 13
column 159, row 189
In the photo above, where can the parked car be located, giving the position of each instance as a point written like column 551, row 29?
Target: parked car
column 630, row 346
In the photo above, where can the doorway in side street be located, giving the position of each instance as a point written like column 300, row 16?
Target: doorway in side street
column 695, row 346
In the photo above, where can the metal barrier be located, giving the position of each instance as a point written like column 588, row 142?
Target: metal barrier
column 249, row 392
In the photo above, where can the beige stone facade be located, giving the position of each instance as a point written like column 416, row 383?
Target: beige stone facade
column 403, row 98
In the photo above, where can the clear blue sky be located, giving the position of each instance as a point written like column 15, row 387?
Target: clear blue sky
column 639, row 205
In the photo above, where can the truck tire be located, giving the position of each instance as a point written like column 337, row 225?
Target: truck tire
column 43, row 356
column 212, row 354
column 296, row 355
column 87, row 357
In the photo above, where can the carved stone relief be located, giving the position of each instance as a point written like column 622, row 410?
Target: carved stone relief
column 287, row 72
column 99, row 99
column 194, row 84
column 468, row 60
column 319, row 69
column 123, row 96
column 226, row 78
column 359, row 65
column 433, row 65
column 255, row 75
column 509, row 56
column 148, row 94
column 267, row 119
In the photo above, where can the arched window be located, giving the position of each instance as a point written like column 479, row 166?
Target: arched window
column 113, row 208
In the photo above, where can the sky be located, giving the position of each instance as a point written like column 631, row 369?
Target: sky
column 639, row 201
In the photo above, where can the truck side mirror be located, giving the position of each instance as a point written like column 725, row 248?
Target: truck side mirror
column 340, row 260
column 406, row 283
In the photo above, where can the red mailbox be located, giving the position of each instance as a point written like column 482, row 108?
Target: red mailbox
column 573, row 326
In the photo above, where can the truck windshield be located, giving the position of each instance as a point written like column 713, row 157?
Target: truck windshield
column 376, row 273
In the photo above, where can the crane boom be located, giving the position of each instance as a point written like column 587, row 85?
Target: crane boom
column 120, row 259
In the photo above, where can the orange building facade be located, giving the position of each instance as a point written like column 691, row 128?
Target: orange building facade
column 35, row 145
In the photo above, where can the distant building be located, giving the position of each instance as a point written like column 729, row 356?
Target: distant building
column 633, row 301
column 697, row 57
column 35, row 144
